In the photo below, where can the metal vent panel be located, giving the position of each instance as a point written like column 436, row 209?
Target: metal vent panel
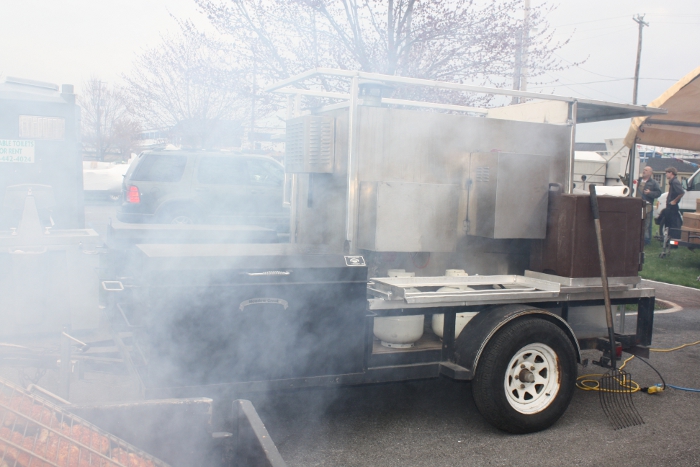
column 482, row 174
column 310, row 145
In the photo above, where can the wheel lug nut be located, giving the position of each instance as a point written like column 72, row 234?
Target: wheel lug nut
column 517, row 376
column 532, row 368
column 522, row 365
column 522, row 386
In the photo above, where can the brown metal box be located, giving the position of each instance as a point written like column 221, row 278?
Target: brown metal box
column 690, row 235
column 570, row 247
column 691, row 220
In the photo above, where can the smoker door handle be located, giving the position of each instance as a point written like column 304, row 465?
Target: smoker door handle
column 112, row 286
column 268, row 273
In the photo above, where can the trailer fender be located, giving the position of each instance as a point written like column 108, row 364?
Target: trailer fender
column 476, row 335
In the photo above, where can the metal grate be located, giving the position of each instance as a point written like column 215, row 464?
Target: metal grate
column 36, row 433
column 310, row 145
column 294, row 148
column 35, row 127
column 482, row 174
column 471, row 289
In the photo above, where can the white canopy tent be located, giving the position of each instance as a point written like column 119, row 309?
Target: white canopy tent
column 680, row 127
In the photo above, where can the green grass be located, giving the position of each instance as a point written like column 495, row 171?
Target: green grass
column 681, row 266
column 657, row 306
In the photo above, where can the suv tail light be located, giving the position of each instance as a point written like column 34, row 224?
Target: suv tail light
column 132, row 194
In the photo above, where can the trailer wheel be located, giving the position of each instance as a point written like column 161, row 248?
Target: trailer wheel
column 526, row 376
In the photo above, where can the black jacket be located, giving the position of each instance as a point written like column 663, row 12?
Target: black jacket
column 655, row 189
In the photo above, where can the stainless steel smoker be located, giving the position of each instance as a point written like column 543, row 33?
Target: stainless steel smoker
column 413, row 226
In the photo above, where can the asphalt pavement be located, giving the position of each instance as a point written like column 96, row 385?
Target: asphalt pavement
column 435, row 422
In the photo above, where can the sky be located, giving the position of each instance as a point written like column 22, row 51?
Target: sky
column 68, row 41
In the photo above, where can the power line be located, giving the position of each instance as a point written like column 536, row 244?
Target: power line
column 599, row 20
column 673, row 22
column 596, row 36
column 606, row 81
column 580, row 67
column 568, row 85
column 612, row 26
column 590, row 21
column 608, row 76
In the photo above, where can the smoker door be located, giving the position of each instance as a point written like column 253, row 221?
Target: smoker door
column 508, row 195
column 243, row 333
column 235, row 324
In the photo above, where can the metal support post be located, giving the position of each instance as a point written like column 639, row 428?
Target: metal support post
column 448, row 335
column 65, row 368
column 352, row 189
column 573, row 110
column 645, row 320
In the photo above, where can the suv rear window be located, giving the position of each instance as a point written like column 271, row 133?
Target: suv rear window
column 160, row 168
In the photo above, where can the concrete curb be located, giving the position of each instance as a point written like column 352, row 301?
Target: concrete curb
column 672, row 307
column 674, row 285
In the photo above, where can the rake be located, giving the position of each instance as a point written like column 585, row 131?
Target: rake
column 616, row 385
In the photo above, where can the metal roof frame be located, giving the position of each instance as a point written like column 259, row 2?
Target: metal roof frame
column 587, row 110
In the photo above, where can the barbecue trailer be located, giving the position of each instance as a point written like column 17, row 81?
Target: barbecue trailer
column 427, row 240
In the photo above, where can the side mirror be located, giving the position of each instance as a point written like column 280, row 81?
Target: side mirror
column 684, row 183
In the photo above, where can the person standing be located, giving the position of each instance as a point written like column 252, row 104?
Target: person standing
column 672, row 215
column 648, row 189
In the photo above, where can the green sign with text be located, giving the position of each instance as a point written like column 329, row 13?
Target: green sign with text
column 17, row 150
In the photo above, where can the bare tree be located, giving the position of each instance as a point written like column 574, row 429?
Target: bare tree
column 458, row 41
column 126, row 136
column 103, row 117
column 185, row 86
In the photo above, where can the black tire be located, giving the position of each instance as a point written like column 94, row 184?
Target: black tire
column 493, row 374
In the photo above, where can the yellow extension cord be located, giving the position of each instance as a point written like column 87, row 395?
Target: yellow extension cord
column 586, row 383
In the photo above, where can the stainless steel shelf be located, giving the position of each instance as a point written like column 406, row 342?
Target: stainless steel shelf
column 427, row 290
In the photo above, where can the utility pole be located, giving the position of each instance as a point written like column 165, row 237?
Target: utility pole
column 251, row 134
column 639, row 19
column 526, row 46
column 521, row 49
column 98, row 123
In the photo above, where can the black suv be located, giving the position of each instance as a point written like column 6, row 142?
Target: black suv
column 188, row 187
